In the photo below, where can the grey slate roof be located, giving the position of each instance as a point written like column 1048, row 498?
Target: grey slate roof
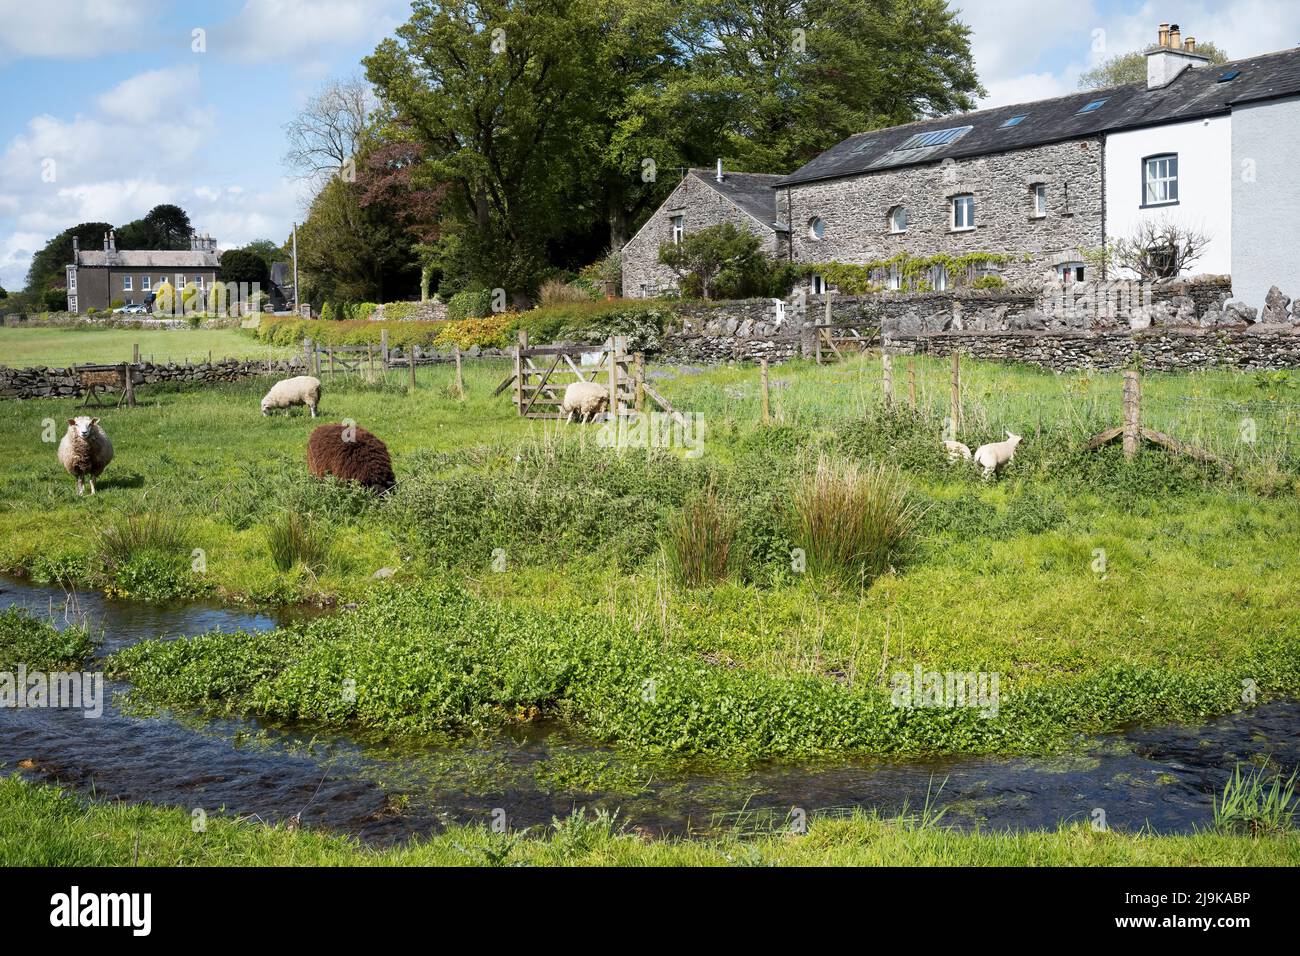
column 150, row 259
column 752, row 192
column 1193, row 94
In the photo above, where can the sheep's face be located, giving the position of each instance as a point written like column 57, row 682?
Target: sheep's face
column 1014, row 439
column 84, row 425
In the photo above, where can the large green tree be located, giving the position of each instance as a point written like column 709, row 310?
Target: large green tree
column 165, row 226
column 47, row 268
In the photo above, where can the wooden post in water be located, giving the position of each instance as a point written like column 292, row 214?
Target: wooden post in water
column 1132, row 413
column 911, row 382
column 519, row 370
column 460, row 382
column 767, row 417
column 887, row 376
column 954, row 402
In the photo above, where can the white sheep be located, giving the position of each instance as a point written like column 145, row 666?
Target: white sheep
column 85, row 451
column 993, row 456
column 957, row 451
column 584, row 399
column 299, row 390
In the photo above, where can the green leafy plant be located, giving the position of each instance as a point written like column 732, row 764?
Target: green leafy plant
column 699, row 544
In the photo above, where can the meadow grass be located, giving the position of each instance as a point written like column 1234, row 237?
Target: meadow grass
column 41, row 825
column 58, row 347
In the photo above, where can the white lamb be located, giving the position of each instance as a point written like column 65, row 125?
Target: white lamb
column 85, row 451
column 994, row 456
column 584, row 399
column 299, row 390
column 957, row 451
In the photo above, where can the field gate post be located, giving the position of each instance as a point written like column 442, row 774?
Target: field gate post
column 410, row 367
column 763, row 378
column 128, row 386
column 460, row 382
column 519, row 370
column 383, row 349
column 911, row 382
column 135, row 354
column 1132, row 413
column 887, row 376
column 639, row 379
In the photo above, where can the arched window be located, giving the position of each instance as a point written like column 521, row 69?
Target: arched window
column 898, row 219
column 816, row 228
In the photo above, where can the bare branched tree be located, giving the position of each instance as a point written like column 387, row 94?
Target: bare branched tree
column 327, row 132
column 1160, row 249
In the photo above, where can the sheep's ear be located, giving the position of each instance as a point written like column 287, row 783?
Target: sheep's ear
column 72, row 421
column 94, row 421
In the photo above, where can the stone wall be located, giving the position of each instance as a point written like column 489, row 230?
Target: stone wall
column 855, row 210
column 430, row 311
column 63, row 383
column 1161, row 350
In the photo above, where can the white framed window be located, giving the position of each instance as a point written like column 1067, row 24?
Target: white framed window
column 72, row 304
column 898, row 219
column 1040, row 200
column 939, row 278
column 816, row 228
column 126, row 284
column 146, row 283
column 1069, row 272
column 198, row 281
column 72, row 279
column 679, row 229
column 963, row 212
column 894, row 277
column 1160, row 179
column 643, row 295
column 818, row 284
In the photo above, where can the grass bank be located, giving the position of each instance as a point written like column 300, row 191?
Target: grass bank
column 42, row 825
column 57, row 347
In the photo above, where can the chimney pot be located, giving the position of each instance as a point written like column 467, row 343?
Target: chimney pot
column 1175, row 37
column 106, row 242
column 1189, row 44
column 1164, row 34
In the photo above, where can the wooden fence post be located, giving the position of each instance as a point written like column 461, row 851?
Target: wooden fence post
column 767, row 417
column 519, row 370
column 383, row 349
column 1132, row 413
column 639, row 380
column 887, row 376
column 911, row 382
column 135, row 354
column 954, row 403
column 128, row 386
column 613, row 376
column 410, row 366
column 331, row 355
column 370, row 363
column 460, row 382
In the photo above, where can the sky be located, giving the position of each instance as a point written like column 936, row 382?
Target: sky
column 109, row 107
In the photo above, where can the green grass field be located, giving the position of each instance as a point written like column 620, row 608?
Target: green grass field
column 61, row 347
column 44, row 826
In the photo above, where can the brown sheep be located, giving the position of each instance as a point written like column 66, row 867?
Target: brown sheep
column 350, row 453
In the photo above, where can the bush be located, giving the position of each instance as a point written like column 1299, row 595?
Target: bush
column 851, row 522
column 700, row 540
column 490, row 332
column 472, row 304
column 327, row 313
column 557, row 292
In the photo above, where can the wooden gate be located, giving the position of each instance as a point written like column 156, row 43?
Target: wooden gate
column 835, row 342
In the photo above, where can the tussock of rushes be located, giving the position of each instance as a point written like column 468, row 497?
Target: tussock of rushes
column 292, row 539
column 851, row 521
column 1256, row 804
column 700, row 541
column 130, row 534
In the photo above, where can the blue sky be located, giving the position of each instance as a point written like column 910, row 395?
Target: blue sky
column 107, row 108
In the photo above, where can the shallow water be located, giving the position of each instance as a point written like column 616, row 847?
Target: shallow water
column 1164, row 777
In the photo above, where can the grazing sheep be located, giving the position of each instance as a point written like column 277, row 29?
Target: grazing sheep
column 993, row 456
column 350, row 453
column 584, row 399
column 85, row 451
column 299, row 390
column 957, row 451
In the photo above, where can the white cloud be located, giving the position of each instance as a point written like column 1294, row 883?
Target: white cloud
column 73, row 29
column 147, row 97
column 273, row 29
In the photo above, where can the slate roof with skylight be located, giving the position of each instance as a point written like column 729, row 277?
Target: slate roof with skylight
column 1196, row 93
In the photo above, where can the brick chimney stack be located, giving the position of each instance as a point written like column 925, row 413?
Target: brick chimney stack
column 1170, row 57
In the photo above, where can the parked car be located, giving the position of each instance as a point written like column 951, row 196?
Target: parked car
column 133, row 309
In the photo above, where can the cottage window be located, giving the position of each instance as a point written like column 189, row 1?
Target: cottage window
column 1069, row 272
column 816, row 228
column 679, row 229
column 963, row 212
column 939, row 278
column 146, row 283
column 894, row 276
column 72, row 280
column 818, row 285
column 126, row 283
column 72, row 304
column 898, row 219
column 1160, row 180
column 1040, row 200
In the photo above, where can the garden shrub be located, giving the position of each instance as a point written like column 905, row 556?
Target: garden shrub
column 471, row 304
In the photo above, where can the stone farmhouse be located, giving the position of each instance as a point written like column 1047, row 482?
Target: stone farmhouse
column 1035, row 186
column 96, row 279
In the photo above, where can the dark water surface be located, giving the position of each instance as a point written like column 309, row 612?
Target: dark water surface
column 1164, row 777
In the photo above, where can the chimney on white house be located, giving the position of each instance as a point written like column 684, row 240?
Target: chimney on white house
column 106, row 242
column 719, row 176
column 76, row 248
column 112, row 241
column 1171, row 57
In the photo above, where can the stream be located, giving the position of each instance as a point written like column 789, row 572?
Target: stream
column 384, row 791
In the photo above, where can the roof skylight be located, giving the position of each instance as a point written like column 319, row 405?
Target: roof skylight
column 1230, row 75
column 1094, row 106
column 936, row 137
column 1013, row 121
